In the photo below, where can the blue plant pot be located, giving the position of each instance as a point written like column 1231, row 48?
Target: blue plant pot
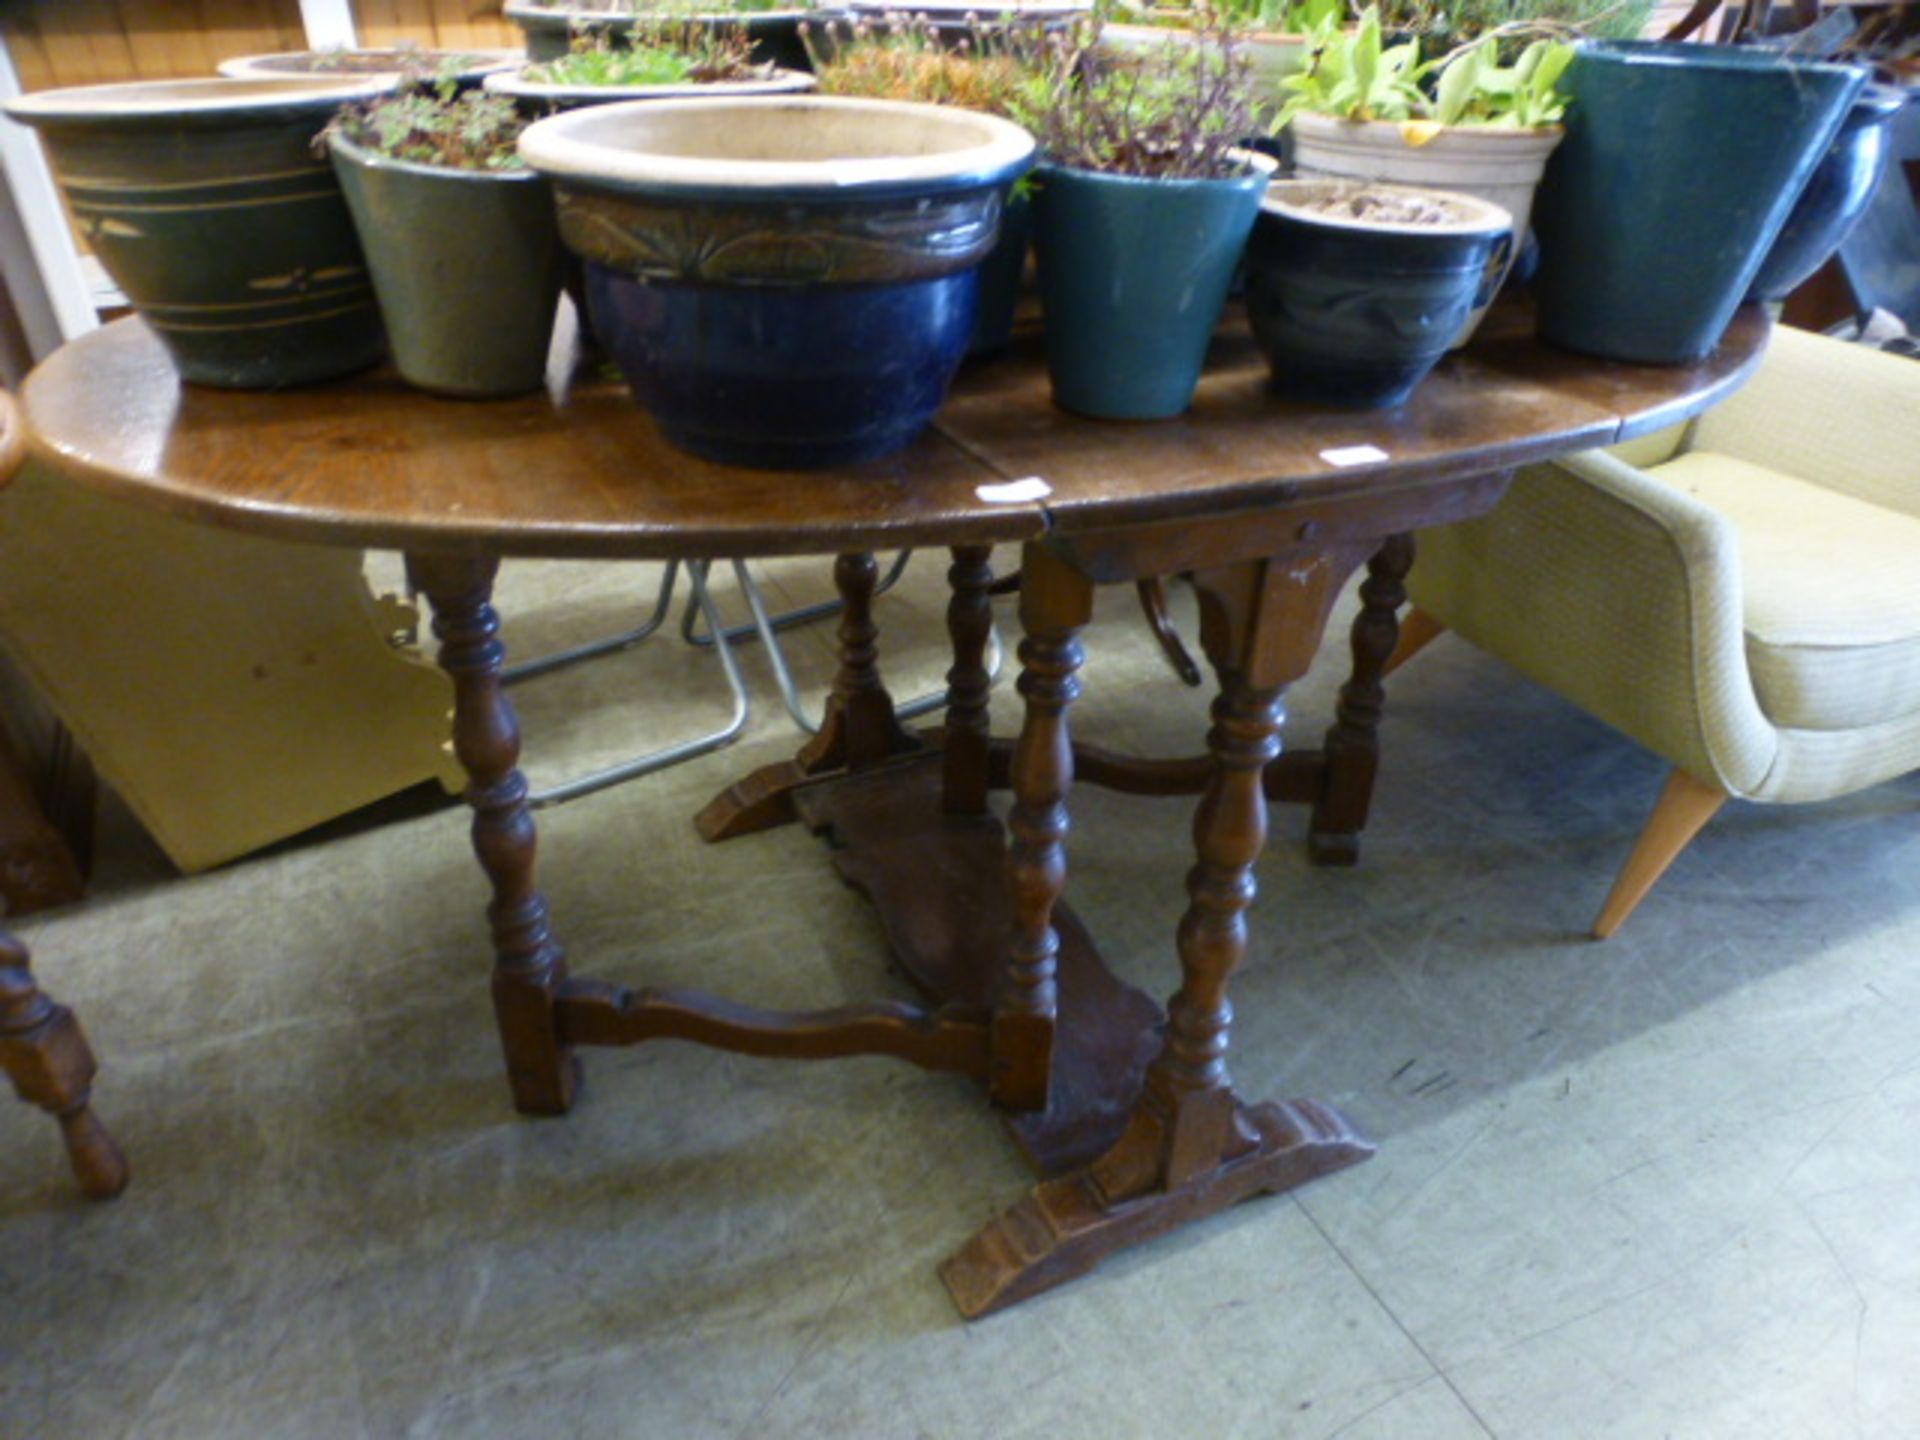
column 785, row 283
column 1354, row 313
column 1133, row 274
column 1836, row 196
column 786, row 378
column 1680, row 165
column 1000, row 276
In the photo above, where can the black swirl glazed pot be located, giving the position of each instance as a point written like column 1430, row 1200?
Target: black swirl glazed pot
column 786, row 283
column 1356, row 289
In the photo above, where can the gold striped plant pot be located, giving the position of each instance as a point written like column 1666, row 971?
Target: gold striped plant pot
column 209, row 207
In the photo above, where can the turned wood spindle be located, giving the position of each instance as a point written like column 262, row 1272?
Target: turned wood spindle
column 1352, row 744
column 46, row 1056
column 528, row 963
column 965, row 776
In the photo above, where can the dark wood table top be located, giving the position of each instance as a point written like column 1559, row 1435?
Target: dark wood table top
column 579, row 470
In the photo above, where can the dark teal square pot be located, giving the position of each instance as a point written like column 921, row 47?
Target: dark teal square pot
column 1681, row 164
column 786, row 377
column 1133, row 274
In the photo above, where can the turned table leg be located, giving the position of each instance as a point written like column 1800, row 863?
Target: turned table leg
column 46, row 1057
column 966, row 775
column 1056, row 603
column 859, row 728
column 1352, row 745
column 528, row 963
column 1191, row 1147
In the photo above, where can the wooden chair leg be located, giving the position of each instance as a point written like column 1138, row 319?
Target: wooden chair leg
column 1684, row 807
column 1418, row 629
column 46, row 1057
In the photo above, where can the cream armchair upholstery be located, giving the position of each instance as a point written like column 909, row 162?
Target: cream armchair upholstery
column 1741, row 595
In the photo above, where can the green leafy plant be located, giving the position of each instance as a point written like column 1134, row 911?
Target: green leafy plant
column 1358, row 76
column 663, row 52
column 434, row 125
column 1175, row 113
column 903, row 58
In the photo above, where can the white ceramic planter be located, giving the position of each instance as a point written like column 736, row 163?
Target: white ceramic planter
column 1499, row 165
column 1271, row 55
column 392, row 63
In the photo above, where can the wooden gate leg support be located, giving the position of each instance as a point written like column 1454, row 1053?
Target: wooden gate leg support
column 859, row 729
column 1352, row 746
column 529, row 965
column 47, row 1058
column 1191, row 1147
column 1056, row 603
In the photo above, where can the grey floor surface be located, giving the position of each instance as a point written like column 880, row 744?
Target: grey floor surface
column 1668, row 1186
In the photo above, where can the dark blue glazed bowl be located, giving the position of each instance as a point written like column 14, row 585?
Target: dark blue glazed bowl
column 786, row 283
column 1836, row 196
column 1354, row 312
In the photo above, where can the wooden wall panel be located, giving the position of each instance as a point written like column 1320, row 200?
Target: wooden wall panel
column 93, row 42
column 451, row 24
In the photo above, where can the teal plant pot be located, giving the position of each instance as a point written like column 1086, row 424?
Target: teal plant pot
column 1133, row 274
column 207, row 205
column 1680, row 165
column 466, row 265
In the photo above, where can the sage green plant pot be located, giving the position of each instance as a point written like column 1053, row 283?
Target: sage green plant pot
column 207, row 205
column 467, row 267
column 1133, row 274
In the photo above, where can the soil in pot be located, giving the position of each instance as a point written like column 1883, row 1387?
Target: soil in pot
column 1355, row 290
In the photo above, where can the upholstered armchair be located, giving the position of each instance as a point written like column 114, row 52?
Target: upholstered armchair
column 1740, row 595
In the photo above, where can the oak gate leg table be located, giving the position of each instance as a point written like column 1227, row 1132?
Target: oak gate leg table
column 1267, row 505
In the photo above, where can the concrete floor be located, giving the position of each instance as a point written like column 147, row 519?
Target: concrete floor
column 1664, row 1186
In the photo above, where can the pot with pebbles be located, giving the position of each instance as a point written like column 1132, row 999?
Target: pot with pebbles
column 788, row 282
column 1355, row 289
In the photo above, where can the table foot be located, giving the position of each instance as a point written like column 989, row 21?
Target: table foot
column 44, row 1053
column 1064, row 1227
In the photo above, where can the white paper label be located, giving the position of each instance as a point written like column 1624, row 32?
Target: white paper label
column 1014, row 492
column 1354, row 455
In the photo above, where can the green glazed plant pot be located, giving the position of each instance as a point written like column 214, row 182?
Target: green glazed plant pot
column 466, row 264
column 551, row 25
column 207, row 205
column 1133, row 274
column 1680, row 165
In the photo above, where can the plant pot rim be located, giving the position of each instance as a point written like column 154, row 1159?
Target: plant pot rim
column 985, row 9
column 263, row 67
column 1259, row 167
column 586, row 147
column 1732, row 59
column 515, row 84
column 518, row 10
column 1480, row 217
column 1493, row 135
column 359, row 155
column 214, row 101
column 1271, row 37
